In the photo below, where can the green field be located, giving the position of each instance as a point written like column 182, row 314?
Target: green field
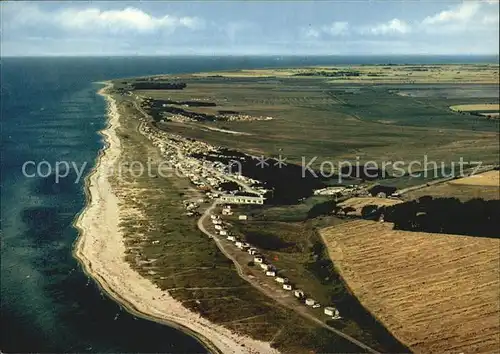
column 313, row 117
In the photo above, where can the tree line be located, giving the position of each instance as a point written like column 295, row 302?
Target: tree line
column 475, row 217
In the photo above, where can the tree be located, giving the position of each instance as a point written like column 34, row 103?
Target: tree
column 370, row 212
column 348, row 209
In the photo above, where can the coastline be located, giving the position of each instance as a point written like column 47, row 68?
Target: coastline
column 100, row 250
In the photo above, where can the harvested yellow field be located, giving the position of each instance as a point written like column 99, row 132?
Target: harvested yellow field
column 436, row 293
column 462, row 192
column 476, row 107
column 359, row 203
column 490, row 179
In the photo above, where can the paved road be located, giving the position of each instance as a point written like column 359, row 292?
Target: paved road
column 267, row 291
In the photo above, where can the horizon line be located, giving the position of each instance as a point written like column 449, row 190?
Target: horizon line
column 250, row 55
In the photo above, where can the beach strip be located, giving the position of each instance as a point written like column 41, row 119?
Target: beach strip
column 101, row 251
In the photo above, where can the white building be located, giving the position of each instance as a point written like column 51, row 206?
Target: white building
column 258, row 259
column 271, row 273
column 310, row 302
column 298, row 294
column 287, row 286
column 281, row 280
column 231, row 238
column 218, row 227
column 223, row 232
column 242, row 217
column 330, row 311
column 265, row 266
column 241, row 199
column 253, row 251
column 333, row 312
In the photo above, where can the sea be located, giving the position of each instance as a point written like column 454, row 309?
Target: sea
column 50, row 113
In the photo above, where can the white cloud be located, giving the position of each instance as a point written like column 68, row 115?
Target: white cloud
column 461, row 13
column 394, row 26
column 129, row 19
column 467, row 17
column 337, row 28
column 311, row 32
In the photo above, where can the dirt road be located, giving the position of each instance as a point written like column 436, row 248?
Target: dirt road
column 299, row 309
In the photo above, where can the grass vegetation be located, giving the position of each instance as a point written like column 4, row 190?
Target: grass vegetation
column 166, row 247
column 383, row 114
column 468, row 73
column 462, row 192
column 296, row 249
column 313, row 117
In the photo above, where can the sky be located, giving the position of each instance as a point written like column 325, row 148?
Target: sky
column 100, row 28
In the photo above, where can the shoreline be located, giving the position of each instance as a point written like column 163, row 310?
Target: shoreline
column 100, row 250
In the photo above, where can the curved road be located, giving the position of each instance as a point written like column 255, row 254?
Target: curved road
column 240, row 270
column 266, row 291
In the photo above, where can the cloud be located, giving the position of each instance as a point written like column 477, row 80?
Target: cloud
column 128, row 20
column 394, row 26
column 478, row 16
column 461, row 13
column 338, row 28
column 311, row 32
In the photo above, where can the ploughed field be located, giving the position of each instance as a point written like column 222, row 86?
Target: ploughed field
column 333, row 116
column 436, row 293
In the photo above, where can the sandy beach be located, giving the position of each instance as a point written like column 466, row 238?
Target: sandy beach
column 100, row 249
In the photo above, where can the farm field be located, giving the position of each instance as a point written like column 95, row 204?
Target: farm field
column 377, row 73
column 436, row 293
column 296, row 249
column 476, row 107
column 460, row 191
column 487, row 179
column 313, row 117
column 358, row 203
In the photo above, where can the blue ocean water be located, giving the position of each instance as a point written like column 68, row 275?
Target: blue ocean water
column 50, row 112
